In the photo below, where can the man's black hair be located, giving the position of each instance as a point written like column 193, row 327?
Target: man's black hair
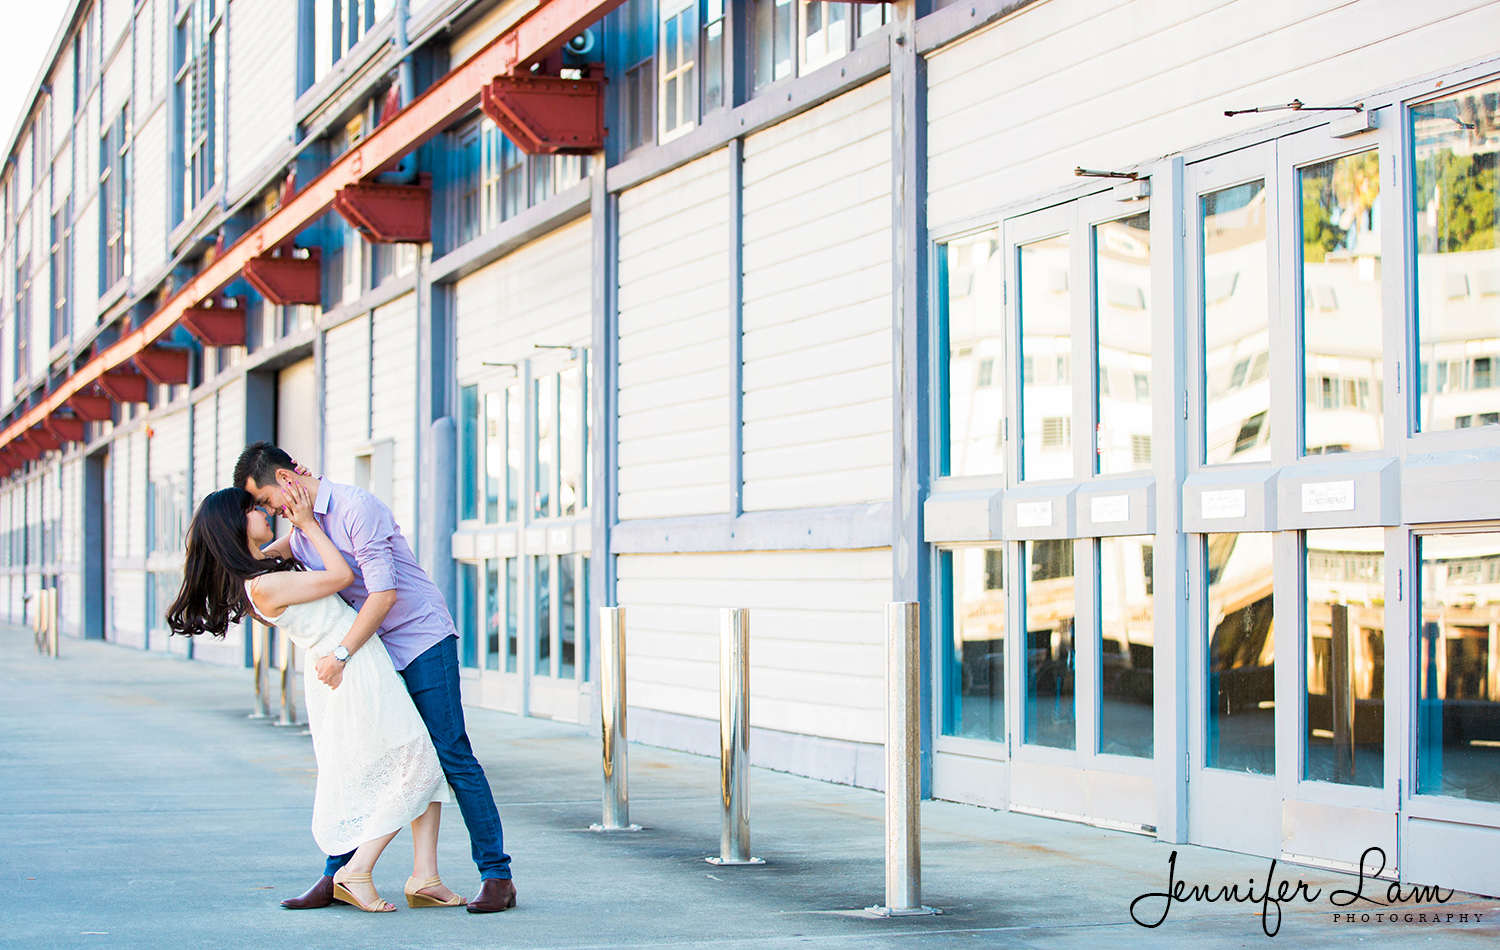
column 261, row 461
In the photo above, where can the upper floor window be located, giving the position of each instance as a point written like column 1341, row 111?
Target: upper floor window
column 493, row 180
column 679, row 55
column 22, row 364
column 795, row 37
column 62, row 272
column 199, row 78
column 638, row 55
column 114, row 201
column 339, row 25
column 973, row 401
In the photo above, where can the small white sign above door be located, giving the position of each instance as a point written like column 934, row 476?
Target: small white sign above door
column 1033, row 514
column 1328, row 496
column 1228, row 503
column 1109, row 509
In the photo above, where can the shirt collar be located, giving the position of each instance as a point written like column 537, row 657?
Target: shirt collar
column 325, row 496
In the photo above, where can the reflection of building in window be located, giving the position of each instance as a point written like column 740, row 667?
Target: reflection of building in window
column 1344, row 656
column 975, row 423
column 1241, row 648
column 678, row 56
column 1236, row 355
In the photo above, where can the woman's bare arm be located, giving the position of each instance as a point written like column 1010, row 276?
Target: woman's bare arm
column 277, row 591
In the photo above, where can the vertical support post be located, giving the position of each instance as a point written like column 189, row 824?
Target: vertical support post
column 288, row 666
column 612, row 715
column 1342, row 693
column 734, row 738
column 903, row 762
column 52, row 632
column 258, row 640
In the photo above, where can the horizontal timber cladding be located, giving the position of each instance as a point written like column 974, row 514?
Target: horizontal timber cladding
column 346, row 396
column 85, row 289
column 816, row 636
column 148, row 210
column 539, row 294
column 1108, row 83
column 231, row 422
column 263, row 93
column 674, row 325
column 817, row 306
column 127, row 608
column 393, row 402
column 135, row 497
column 118, row 77
column 206, row 479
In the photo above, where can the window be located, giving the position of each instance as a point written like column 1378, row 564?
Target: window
column 1050, row 664
column 1341, row 306
column 466, row 176
column 678, row 56
column 339, row 25
column 974, row 404
column 1344, row 655
column 974, row 643
column 1454, row 186
column 560, row 440
column 468, row 613
column 62, row 272
column 114, row 201
column 468, row 495
column 493, row 616
column 713, row 55
column 826, row 33
column 542, row 613
column 1045, row 325
column 493, row 180
column 23, row 318
column 774, row 29
column 1240, row 713
column 638, row 29
column 1126, row 646
column 1122, row 322
column 1458, row 709
column 567, row 617
column 796, row 37
column 1236, row 322
column 199, row 86
column 512, row 614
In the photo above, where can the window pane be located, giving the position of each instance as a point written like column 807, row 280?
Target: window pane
column 567, row 618
column 1344, row 655
column 1454, row 185
column 542, row 630
column 468, row 607
column 570, row 421
column 1049, row 644
column 494, row 453
column 512, row 613
column 513, row 451
column 1241, row 701
column 492, row 614
column 1046, row 325
column 1126, row 646
column 544, row 394
column 1458, row 678
column 586, row 627
column 1122, row 299
column 468, row 468
column 1236, row 319
column 974, row 648
column 1341, row 323
column 976, row 357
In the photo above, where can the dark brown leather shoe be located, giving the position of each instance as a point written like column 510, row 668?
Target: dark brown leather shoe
column 319, row 895
column 495, row 895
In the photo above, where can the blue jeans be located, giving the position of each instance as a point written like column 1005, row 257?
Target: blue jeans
column 432, row 680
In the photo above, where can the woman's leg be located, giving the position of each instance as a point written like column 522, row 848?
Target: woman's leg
column 424, row 839
column 363, row 862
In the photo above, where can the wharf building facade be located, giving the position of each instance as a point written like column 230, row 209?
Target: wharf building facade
column 804, row 308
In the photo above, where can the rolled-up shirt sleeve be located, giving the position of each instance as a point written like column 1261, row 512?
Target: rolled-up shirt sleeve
column 371, row 529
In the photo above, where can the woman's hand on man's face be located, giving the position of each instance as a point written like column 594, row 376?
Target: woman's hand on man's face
column 299, row 504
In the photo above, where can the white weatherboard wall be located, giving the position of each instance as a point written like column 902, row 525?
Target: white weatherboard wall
column 231, row 429
column 1110, row 83
column 262, row 90
column 674, row 343
column 346, row 396
column 206, row 478
column 817, row 306
column 817, row 654
column 393, row 403
column 540, row 293
column 148, row 211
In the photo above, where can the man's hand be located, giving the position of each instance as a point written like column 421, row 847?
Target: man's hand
column 330, row 671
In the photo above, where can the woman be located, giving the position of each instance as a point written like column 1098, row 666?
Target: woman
column 377, row 769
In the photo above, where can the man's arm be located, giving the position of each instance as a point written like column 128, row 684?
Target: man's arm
column 370, row 535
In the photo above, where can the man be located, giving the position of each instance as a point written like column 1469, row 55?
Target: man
column 395, row 599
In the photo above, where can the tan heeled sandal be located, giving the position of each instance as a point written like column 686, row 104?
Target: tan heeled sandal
column 416, row 899
column 342, row 893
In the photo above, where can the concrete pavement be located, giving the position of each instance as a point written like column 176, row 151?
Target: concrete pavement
column 141, row 809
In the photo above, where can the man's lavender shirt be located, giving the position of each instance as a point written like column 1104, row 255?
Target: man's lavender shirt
column 365, row 532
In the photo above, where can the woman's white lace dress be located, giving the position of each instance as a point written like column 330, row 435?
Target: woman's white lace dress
column 377, row 769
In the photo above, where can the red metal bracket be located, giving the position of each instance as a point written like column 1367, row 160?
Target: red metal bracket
column 217, row 325
column 65, row 428
column 26, row 448
column 546, row 115
column 91, row 408
column 44, row 437
column 285, row 279
column 124, row 387
column 388, row 214
column 164, row 366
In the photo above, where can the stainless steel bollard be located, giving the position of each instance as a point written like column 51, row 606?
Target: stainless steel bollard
column 52, row 631
column 903, row 755
column 612, row 712
column 259, row 638
column 288, row 677
column 734, row 737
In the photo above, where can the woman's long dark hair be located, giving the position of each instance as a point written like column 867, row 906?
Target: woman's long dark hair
column 218, row 564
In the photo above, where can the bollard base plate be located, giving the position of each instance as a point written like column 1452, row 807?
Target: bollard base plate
column 259, row 716
column 729, row 863
column 605, row 829
column 923, row 911
column 289, row 725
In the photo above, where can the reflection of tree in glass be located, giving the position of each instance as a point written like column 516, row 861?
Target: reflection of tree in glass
column 1334, row 195
column 1460, row 189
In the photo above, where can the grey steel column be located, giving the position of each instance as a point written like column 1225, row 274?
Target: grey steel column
column 903, row 763
column 734, row 737
column 612, row 713
column 258, row 643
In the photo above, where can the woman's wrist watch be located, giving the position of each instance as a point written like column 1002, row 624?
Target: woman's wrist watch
column 341, row 653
